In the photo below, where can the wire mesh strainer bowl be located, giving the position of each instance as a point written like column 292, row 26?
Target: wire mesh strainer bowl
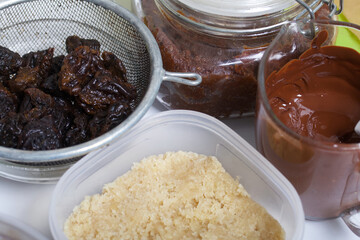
column 40, row 24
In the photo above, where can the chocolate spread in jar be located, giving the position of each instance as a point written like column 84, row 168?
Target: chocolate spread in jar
column 316, row 96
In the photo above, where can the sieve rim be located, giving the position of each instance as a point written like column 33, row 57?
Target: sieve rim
column 156, row 77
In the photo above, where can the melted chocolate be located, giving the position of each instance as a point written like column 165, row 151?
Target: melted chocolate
column 318, row 95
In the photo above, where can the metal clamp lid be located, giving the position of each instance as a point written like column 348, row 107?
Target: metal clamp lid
column 333, row 11
column 332, row 7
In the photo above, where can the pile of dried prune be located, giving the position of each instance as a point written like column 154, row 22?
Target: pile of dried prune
column 50, row 102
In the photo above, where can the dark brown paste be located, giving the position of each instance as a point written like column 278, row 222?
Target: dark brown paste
column 49, row 102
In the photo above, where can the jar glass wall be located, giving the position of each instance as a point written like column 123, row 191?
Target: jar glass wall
column 223, row 48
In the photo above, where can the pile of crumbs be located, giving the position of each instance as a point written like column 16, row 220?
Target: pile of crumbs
column 176, row 195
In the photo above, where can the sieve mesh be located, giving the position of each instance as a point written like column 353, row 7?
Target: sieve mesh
column 40, row 24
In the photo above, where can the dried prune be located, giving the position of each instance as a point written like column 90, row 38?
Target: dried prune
column 9, row 61
column 56, row 64
column 50, row 85
column 52, row 102
column 26, row 77
column 10, row 128
column 114, row 65
column 39, row 99
column 103, row 90
column 72, row 42
column 39, row 58
column 62, row 114
column 104, row 121
column 78, row 69
column 84, row 75
column 41, row 131
column 4, row 79
column 36, row 104
column 78, row 133
column 8, row 101
column 42, row 60
column 35, row 68
column 40, row 134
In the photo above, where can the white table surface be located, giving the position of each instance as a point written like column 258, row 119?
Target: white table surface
column 30, row 202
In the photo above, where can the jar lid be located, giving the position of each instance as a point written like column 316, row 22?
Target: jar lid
column 236, row 8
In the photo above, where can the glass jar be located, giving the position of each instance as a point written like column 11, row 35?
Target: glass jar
column 223, row 41
column 305, row 138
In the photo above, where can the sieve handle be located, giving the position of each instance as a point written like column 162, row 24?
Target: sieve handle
column 190, row 79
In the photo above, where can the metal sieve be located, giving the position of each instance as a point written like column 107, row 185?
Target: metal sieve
column 39, row 24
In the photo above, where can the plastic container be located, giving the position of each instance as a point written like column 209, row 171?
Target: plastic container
column 13, row 229
column 187, row 131
column 222, row 44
